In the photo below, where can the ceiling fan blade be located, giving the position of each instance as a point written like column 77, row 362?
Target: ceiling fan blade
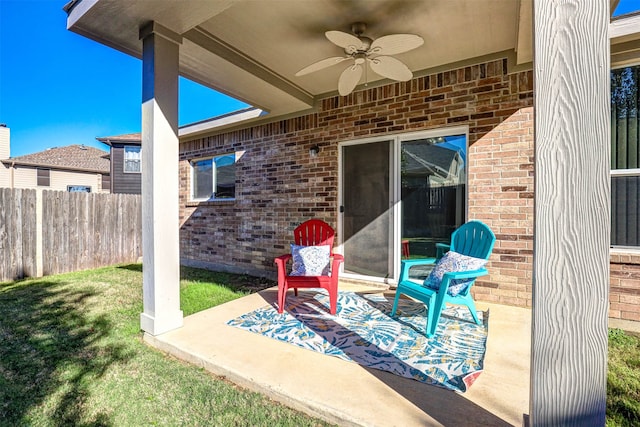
column 395, row 43
column 349, row 79
column 391, row 68
column 345, row 40
column 324, row 63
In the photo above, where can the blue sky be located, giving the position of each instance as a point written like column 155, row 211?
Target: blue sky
column 58, row 88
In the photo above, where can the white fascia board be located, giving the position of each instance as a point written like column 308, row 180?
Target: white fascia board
column 199, row 127
column 624, row 26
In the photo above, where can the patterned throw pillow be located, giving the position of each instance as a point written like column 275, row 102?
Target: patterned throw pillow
column 310, row 260
column 453, row 261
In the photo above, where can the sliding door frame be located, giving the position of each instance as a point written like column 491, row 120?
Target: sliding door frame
column 395, row 187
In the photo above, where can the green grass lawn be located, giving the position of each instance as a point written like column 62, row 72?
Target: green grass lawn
column 623, row 380
column 71, row 353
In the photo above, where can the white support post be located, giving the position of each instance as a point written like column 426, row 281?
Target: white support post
column 572, row 213
column 160, row 224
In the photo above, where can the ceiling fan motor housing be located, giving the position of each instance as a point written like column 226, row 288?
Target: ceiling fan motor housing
column 358, row 28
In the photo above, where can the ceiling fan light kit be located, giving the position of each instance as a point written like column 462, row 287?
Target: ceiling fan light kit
column 363, row 50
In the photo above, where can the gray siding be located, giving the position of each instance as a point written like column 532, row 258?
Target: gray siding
column 129, row 183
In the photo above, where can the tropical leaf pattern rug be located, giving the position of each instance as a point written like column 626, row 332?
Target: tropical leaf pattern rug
column 363, row 332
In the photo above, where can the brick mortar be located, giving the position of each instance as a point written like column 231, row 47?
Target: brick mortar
column 278, row 185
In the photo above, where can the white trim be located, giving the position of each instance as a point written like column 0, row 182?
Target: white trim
column 625, row 172
column 124, row 158
column 215, row 122
column 624, row 26
column 624, row 250
column 371, row 279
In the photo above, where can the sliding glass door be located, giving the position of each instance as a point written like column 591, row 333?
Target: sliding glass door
column 366, row 216
column 400, row 197
column 433, row 192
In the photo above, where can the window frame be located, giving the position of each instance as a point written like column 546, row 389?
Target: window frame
column 124, row 158
column 214, row 178
column 42, row 177
column 616, row 173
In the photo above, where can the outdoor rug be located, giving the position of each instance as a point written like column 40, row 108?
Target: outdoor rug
column 363, row 332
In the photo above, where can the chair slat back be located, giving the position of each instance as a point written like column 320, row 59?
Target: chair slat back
column 473, row 238
column 314, row 232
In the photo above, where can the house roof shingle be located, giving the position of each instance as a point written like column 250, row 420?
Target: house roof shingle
column 71, row 157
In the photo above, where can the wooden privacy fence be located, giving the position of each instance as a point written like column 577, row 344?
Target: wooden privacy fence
column 50, row 232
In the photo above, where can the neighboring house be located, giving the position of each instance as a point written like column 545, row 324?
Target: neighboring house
column 126, row 162
column 126, row 154
column 5, row 138
column 70, row 168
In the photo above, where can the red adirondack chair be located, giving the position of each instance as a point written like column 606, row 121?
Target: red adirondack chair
column 313, row 232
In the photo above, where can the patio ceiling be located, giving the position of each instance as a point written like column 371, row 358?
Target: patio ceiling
column 251, row 49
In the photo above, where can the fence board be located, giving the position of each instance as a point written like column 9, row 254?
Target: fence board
column 17, row 230
column 79, row 231
column 29, row 231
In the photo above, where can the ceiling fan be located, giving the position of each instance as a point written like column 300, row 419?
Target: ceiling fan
column 364, row 50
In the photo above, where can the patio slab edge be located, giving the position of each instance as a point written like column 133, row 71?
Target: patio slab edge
column 314, row 409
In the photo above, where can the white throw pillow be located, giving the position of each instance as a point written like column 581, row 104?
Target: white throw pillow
column 310, row 260
column 453, row 262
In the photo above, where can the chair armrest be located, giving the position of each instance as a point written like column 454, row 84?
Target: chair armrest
column 281, row 261
column 441, row 249
column 472, row 274
column 408, row 263
column 452, row 275
column 335, row 263
column 283, row 258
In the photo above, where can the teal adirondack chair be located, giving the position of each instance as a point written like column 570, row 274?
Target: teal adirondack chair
column 474, row 239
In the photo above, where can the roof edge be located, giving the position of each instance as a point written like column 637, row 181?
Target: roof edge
column 11, row 162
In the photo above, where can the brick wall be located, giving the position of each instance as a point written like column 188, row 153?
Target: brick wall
column 279, row 185
column 501, row 195
column 624, row 293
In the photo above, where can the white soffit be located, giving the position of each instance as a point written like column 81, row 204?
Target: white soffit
column 251, row 50
column 625, row 28
column 287, row 36
column 624, row 33
column 223, row 121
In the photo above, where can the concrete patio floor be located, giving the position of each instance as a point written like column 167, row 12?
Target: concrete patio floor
column 346, row 393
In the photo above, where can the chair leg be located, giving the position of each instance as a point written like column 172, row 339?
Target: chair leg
column 472, row 308
column 432, row 319
column 436, row 303
column 333, row 301
column 282, row 295
column 395, row 303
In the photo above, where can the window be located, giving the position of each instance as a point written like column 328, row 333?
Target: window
column 132, row 159
column 43, row 176
column 214, row 178
column 625, row 157
column 78, row 189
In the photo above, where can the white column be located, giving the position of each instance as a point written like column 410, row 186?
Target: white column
column 572, row 213
column 160, row 226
